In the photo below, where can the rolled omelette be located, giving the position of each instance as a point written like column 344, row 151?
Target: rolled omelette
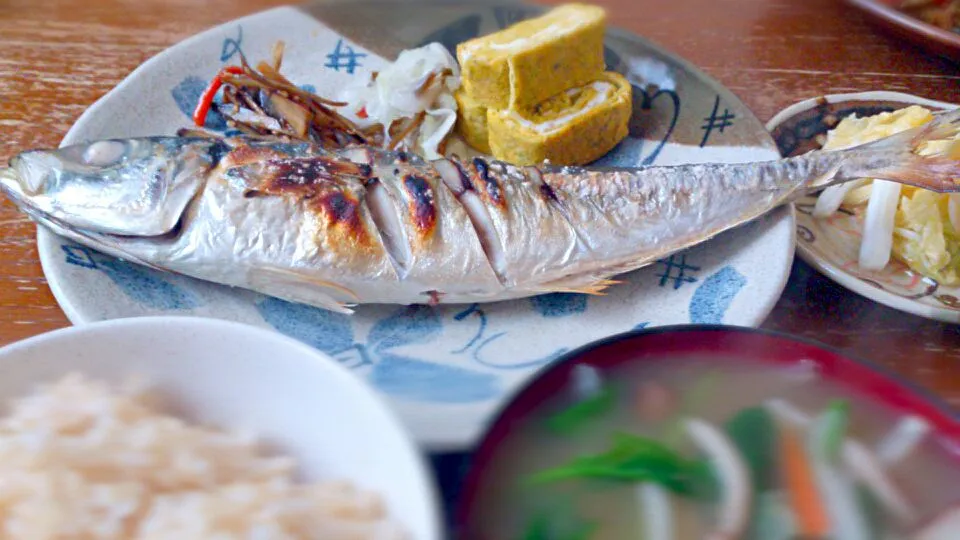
column 575, row 127
column 472, row 121
column 534, row 59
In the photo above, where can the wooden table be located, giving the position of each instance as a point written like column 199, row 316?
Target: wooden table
column 57, row 57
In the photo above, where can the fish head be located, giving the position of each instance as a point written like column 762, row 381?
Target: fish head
column 128, row 187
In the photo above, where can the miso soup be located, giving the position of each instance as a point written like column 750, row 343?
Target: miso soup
column 691, row 448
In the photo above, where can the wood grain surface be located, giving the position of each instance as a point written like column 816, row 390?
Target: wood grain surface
column 57, row 57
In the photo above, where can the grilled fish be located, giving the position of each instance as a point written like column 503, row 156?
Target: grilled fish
column 360, row 225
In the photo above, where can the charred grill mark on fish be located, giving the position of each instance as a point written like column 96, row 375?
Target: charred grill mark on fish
column 493, row 191
column 247, row 155
column 324, row 185
column 340, row 209
column 423, row 210
column 464, row 176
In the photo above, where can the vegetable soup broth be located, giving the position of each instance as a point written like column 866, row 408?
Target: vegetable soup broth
column 697, row 388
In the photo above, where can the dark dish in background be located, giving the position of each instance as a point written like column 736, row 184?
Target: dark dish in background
column 666, row 384
column 925, row 24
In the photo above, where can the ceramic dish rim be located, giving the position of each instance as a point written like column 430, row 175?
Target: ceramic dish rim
column 830, row 270
column 787, row 217
column 903, row 21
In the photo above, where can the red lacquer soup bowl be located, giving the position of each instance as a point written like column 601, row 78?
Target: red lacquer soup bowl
column 658, row 344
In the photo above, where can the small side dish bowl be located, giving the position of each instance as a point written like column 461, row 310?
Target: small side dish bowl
column 294, row 399
column 552, row 439
column 832, row 245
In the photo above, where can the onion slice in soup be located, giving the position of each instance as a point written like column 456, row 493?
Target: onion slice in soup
column 902, row 440
column 867, row 468
column 657, row 512
column 736, row 493
column 861, row 462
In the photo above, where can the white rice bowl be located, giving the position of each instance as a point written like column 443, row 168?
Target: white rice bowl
column 186, row 428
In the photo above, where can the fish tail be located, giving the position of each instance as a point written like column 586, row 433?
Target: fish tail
column 926, row 157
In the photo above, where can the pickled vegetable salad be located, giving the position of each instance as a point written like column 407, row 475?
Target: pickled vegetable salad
column 915, row 226
column 771, row 472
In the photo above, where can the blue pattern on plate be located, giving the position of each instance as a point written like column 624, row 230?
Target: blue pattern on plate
column 407, row 325
column 712, row 299
column 426, row 381
column 392, row 373
column 559, row 304
column 677, row 270
column 326, row 330
column 187, row 94
column 141, row 284
column 232, row 46
column 480, row 358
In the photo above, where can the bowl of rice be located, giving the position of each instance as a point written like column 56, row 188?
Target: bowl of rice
column 189, row 428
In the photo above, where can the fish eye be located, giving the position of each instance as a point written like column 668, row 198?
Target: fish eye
column 104, row 153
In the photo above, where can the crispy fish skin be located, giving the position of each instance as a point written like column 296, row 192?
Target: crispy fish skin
column 359, row 225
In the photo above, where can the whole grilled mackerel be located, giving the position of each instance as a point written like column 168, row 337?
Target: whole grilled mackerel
column 360, row 225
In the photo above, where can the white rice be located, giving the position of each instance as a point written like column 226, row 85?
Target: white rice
column 80, row 460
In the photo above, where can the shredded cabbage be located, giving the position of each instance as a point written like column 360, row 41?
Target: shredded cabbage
column 925, row 239
column 926, row 224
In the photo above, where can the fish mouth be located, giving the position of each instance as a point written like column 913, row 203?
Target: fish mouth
column 108, row 244
column 11, row 186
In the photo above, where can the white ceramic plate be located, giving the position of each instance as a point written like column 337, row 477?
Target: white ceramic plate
column 294, row 399
column 832, row 245
column 445, row 369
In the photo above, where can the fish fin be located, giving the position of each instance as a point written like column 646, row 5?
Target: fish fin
column 591, row 285
column 295, row 287
column 927, row 157
column 315, row 301
column 104, row 243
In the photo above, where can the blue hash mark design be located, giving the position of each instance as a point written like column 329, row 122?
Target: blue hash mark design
column 716, row 122
column 344, row 57
column 559, row 304
column 188, row 92
column 415, row 379
column 713, row 297
column 675, row 269
column 232, row 46
column 143, row 285
column 641, row 326
column 308, row 88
